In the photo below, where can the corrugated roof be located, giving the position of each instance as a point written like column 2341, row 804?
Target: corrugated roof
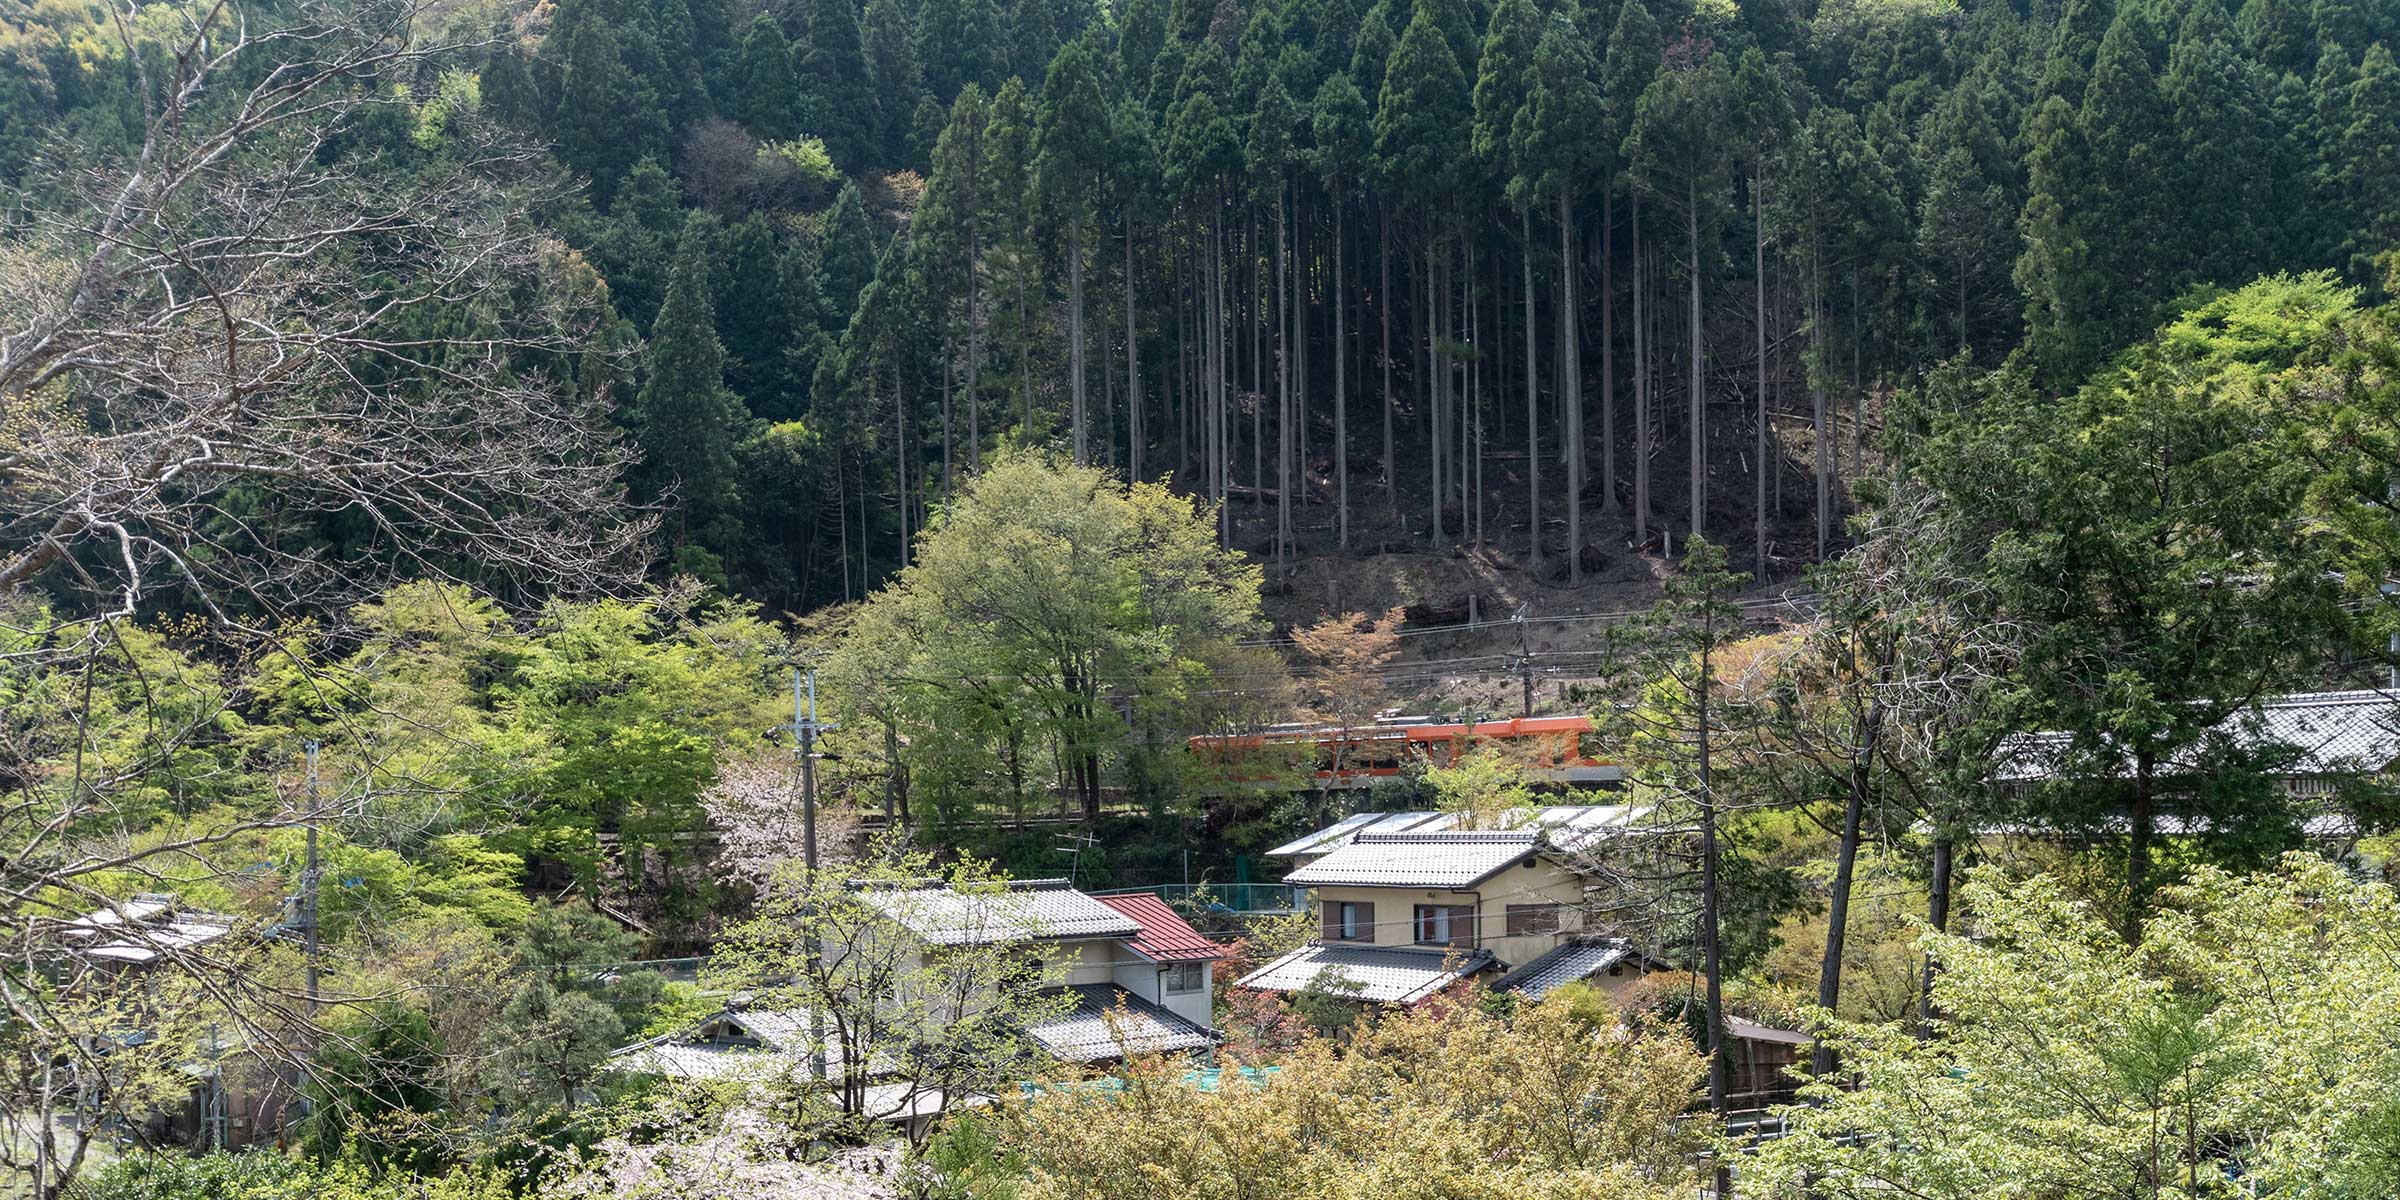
column 1108, row 1021
column 2333, row 733
column 1378, row 974
column 1571, row 827
column 1165, row 935
column 1751, row 1031
column 1026, row 910
column 1449, row 859
column 142, row 944
column 1571, row 961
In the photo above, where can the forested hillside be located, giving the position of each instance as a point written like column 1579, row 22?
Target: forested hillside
column 1407, row 275
column 524, row 526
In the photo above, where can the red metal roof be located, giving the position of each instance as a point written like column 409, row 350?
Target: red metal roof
column 1165, row 937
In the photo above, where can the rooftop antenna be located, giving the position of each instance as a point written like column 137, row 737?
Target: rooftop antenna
column 1074, row 846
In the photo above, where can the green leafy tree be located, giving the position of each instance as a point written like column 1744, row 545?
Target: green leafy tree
column 1042, row 602
column 2145, row 543
column 887, row 1008
column 2236, row 1042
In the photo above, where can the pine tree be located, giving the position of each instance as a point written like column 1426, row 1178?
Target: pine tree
column 958, row 43
column 1071, row 154
column 2279, row 34
column 1634, row 50
column 688, row 421
column 679, row 76
column 1764, row 105
column 2056, row 269
column 2074, row 40
column 1677, row 152
column 1373, row 49
column 1270, row 152
column 841, row 100
column 893, row 74
column 768, row 103
column 2227, row 220
column 847, row 262
column 763, row 310
column 1561, row 145
column 2371, row 160
column 2340, row 23
column 608, row 118
column 1424, row 118
column 1339, row 129
column 508, row 89
column 636, row 249
column 949, row 236
column 2127, row 124
column 1502, row 85
column 1141, row 32
column 811, row 319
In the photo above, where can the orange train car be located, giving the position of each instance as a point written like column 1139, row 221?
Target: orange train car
column 1553, row 750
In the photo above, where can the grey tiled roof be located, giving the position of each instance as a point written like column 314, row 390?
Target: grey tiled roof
column 1579, row 959
column 2332, row 733
column 1084, row 1033
column 1026, row 910
column 1379, row 974
column 746, row 1042
column 1432, row 860
column 1570, row 826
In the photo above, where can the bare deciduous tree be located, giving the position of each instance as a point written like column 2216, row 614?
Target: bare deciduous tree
column 250, row 306
column 214, row 350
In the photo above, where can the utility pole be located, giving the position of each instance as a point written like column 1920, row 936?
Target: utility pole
column 308, row 886
column 1524, row 658
column 805, row 728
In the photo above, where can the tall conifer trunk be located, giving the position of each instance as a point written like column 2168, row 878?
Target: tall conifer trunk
column 1078, row 401
column 1819, row 434
column 1341, row 380
column 1383, row 303
column 1608, row 347
column 1533, row 405
column 1758, row 468
column 1283, row 383
column 1699, row 425
column 1135, row 431
column 1641, row 388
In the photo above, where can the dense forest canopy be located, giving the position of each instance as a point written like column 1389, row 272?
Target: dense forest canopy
column 1405, row 274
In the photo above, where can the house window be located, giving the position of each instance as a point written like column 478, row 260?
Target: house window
column 1349, row 921
column 1527, row 919
column 1185, row 978
column 1445, row 925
